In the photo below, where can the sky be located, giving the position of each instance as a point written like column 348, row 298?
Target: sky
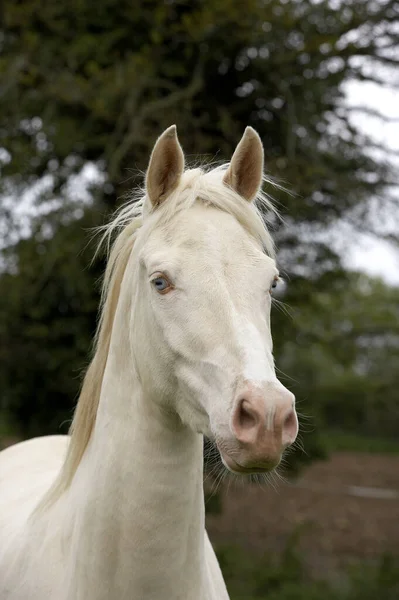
column 365, row 252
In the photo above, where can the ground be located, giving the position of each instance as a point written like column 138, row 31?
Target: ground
column 343, row 509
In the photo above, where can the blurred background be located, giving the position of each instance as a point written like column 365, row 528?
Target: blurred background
column 85, row 89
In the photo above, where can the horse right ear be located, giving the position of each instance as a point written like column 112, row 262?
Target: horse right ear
column 165, row 168
column 245, row 171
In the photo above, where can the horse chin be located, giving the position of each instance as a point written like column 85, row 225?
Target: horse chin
column 235, row 467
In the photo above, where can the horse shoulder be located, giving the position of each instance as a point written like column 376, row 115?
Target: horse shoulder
column 27, row 471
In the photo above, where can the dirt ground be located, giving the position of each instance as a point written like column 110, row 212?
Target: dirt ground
column 343, row 510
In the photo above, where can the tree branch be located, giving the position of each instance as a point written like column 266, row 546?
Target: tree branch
column 157, row 105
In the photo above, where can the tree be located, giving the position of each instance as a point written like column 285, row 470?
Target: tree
column 47, row 320
column 100, row 85
column 340, row 349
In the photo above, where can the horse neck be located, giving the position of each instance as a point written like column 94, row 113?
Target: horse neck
column 136, row 500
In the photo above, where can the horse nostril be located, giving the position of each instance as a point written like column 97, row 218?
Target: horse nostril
column 246, row 417
column 290, row 426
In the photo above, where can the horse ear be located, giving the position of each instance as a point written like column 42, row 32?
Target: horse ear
column 245, row 172
column 165, row 168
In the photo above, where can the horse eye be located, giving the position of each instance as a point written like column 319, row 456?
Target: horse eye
column 161, row 284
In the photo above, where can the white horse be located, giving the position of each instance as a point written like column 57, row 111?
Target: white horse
column 116, row 511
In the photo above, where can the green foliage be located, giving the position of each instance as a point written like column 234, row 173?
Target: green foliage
column 340, row 348
column 287, row 578
column 340, row 440
column 47, row 319
column 380, row 581
column 105, row 82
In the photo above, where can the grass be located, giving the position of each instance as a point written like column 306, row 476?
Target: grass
column 286, row 578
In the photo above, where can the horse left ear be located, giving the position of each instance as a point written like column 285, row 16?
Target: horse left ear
column 245, row 172
column 165, row 168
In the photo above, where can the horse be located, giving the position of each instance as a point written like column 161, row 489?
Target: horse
column 183, row 349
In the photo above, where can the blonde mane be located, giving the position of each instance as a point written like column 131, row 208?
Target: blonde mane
column 203, row 184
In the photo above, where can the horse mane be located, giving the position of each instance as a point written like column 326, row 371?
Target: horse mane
column 204, row 184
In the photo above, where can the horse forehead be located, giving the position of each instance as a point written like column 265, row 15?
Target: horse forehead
column 223, row 243
column 207, row 223
column 209, row 231
column 207, row 236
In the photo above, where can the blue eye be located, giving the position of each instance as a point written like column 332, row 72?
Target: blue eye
column 161, row 284
column 273, row 286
